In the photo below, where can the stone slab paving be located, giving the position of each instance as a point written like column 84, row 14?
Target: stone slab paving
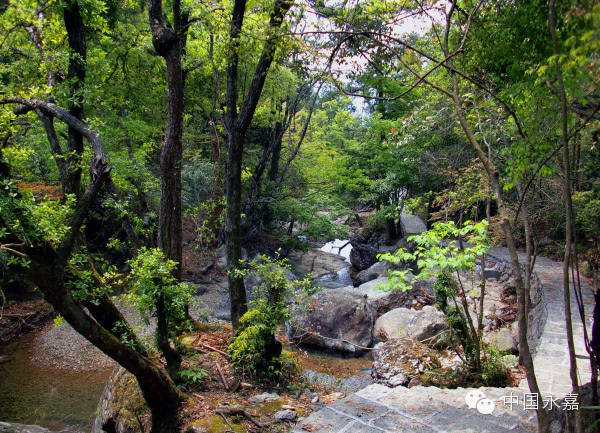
column 551, row 360
column 379, row 409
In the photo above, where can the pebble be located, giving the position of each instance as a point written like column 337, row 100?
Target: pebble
column 285, row 415
column 265, row 396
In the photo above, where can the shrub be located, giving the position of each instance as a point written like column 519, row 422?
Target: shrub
column 255, row 350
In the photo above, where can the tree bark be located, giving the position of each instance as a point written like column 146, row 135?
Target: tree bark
column 236, row 126
column 76, row 76
column 566, row 184
column 503, row 212
column 168, row 42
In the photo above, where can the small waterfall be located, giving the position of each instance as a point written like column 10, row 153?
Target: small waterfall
column 339, row 247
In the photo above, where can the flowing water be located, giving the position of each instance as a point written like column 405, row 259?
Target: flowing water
column 340, row 247
column 51, row 398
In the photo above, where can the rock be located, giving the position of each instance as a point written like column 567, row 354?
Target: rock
column 398, row 362
column 386, row 300
column 362, row 256
column 336, row 280
column 285, row 415
column 502, row 339
column 412, row 225
column 406, row 323
column 120, row 401
column 6, row 427
column 334, row 396
column 514, row 331
column 338, row 319
column 206, row 267
column 265, row 396
column 221, row 255
column 378, row 270
column 316, row 262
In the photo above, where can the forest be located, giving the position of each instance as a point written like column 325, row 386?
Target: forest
column 299, row 215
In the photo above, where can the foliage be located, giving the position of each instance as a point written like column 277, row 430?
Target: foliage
column 192, row 377
column 208, row 217
column 587, row 209
column 493, row 372
column 438, row 251
column 255, row 350
column 197, row 178
column 438, row 255
column 151, row 278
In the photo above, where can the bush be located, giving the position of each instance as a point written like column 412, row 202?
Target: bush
column 197, row 179
column 255, row 350
column 493, row 370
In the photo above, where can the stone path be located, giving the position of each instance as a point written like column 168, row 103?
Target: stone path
column 551, row 361
column 377, row 408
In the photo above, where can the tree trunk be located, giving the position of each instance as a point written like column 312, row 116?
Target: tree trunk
column 170, row 233
column 566, row 184
column 76, row 75
column 168, row 42
column 233, row 186
column 503, row 211
column 236, row 126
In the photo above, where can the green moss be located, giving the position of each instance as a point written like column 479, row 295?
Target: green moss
column 270, row 407
column 213, row 424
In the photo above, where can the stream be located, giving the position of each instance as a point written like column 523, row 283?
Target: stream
column 51, row 398
column 60, row 399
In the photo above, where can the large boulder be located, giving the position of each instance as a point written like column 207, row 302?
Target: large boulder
column 221, row 256
column 502, row 339
column 386, row 300
column 120, row 405
column 363, row 255
column 399, row 361
column 316, row 262
column 378, row 270
column 421, row 325
column 412, row 225
column 338, row 319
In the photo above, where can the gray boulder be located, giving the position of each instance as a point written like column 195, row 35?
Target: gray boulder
column 338, row 319
column 400, row 361
column 221, row 256
column 378, row 270
column 502, row 339
column 412, row 225
column 286, row 415
column 362, row 256
column 386, row 300
column 316, row 262
column 419, row 325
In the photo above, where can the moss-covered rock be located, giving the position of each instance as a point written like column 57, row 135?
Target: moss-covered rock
column 213, row 424
column 120, row 405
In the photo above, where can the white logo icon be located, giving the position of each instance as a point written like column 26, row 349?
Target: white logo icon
column 476, row 399
column 473, row 397
column 486, row 406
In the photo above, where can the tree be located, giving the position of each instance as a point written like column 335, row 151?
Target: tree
column 168, row 42
column 47, row 264
column 236, row 125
